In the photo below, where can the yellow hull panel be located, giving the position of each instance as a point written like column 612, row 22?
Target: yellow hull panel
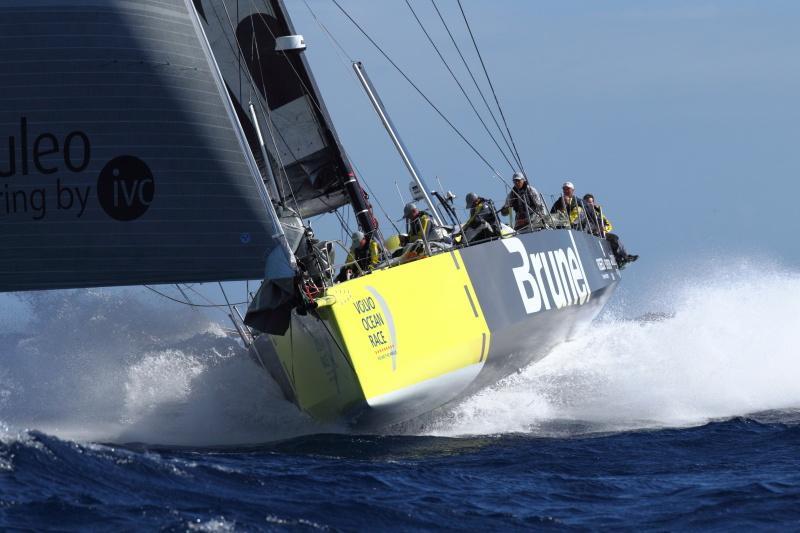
column 403, row 326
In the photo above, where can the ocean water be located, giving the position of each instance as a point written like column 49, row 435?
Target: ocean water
column 123, row 413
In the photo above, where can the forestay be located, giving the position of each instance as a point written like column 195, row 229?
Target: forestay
column 304, row 153
column 121, row 160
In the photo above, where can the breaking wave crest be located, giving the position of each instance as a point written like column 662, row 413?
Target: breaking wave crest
column 720, row 345
column 115, row 366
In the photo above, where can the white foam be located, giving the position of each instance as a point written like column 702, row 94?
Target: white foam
column 117, row 366
column 730, row 349
column 215, row 525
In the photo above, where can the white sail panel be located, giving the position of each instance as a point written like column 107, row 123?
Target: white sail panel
column 121, row 161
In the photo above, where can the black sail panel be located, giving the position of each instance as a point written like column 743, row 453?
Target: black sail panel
column 121, row 161
column 302, row 146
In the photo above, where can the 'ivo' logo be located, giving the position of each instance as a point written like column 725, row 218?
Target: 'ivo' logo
column 125, row 188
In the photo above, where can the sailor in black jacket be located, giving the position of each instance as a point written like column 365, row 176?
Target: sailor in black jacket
column 569, row 205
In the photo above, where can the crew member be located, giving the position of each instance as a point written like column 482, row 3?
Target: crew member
column 364, row 254
column 482, row 222
column 599, row 225
column 525, row 201
column 569, row 205
column 419, row 224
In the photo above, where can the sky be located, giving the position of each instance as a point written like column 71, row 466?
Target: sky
column 682, row 118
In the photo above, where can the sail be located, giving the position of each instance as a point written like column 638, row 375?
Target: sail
column 302, row 147
column 121, row 160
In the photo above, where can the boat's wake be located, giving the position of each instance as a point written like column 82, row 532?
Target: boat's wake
column 110, row 366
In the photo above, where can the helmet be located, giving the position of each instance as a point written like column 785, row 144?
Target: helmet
column 518, row 176
column 409, row 209
column 471, row 197
column 357, row 236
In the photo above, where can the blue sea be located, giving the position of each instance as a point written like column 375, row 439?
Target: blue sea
column 120, row 412
column 733, row 474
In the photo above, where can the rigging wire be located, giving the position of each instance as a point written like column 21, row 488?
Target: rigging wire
column 327, row 32
column 190, row 304
column 475, row 82
column 460, row 86
column 347, row 60
column 491, row 85
column 414, row 85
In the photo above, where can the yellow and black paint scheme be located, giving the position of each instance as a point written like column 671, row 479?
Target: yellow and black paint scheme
column 401, row 341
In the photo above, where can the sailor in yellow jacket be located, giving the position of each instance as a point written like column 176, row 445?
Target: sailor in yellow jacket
column 419, row 225
column 599, row 225
column 364, row 254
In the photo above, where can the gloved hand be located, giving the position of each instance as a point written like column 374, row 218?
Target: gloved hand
column 504, row 211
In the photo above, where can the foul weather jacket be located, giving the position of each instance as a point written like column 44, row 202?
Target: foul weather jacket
column 420, row 228
column 596, row 218
column 481, row 212
column 526, row 203
column 364, row 257
column 575, row 208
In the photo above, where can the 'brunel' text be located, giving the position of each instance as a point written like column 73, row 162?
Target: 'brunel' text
column 549, row 279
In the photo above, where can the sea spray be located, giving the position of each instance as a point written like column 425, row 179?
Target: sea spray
column 118, row 366
column 724, row 345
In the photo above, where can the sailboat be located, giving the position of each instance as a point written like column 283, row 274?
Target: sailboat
column 178, row 141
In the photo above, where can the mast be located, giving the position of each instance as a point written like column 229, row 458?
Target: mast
column 398, row 143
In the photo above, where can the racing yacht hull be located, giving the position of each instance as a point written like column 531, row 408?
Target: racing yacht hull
column 402, row 341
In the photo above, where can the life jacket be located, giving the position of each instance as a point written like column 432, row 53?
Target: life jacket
column 481, row 212
column 573, row 209
column 419, row 227
column 596, row 218
column 364, row 257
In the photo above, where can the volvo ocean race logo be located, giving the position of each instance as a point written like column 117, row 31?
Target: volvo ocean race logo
column 551, row 279
column 378, row 325
column 43, row 172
